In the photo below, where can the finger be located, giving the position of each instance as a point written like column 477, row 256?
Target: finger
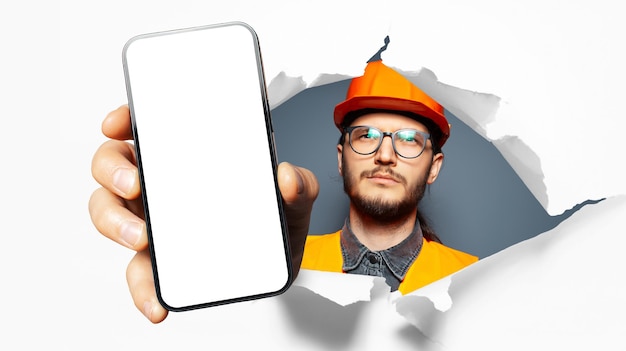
column 141, row 285
column 299, row 189
column 298, row 185
column 116, row 124
column 114, row 167
column 114, row 218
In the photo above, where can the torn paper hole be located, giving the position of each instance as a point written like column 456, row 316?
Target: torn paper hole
column 476, row 110
column 310, row 109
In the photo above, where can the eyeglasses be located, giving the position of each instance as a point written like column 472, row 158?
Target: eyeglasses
column 407, row 143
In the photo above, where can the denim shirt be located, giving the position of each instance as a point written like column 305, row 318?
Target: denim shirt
column 392, row 263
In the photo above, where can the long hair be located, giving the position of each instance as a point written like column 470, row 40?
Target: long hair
column 428, row 232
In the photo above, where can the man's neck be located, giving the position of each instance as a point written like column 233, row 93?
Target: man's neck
column 377, row 235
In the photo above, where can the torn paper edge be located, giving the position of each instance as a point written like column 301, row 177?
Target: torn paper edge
column 343, row 289
column 346, row 289
column 475, row 109
column 436, row 292
column 283, row 87
column 417, row 308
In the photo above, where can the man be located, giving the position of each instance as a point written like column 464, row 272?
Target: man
column 385, row 178
column 389, row 150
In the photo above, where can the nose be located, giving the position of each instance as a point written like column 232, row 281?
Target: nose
column 385, row 154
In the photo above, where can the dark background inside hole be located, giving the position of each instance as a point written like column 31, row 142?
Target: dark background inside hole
column 478, row 204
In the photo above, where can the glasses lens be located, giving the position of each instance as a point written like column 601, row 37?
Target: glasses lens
column 365, row 140
column 409, row 142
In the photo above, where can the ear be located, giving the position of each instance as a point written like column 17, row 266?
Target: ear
column 435, row 167
column 340, row 159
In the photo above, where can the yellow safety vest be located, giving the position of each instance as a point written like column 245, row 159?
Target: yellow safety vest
column 435, row 261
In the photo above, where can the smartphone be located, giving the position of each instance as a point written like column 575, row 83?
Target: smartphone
column 207, row 165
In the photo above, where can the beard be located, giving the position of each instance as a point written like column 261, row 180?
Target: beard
column 377, row 208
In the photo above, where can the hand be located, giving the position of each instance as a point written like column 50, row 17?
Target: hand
column 116, row 208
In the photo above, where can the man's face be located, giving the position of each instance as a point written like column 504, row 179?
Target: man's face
column 383, row 185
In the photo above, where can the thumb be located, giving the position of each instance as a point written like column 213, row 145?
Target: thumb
column 298, row 186
column 299, row 189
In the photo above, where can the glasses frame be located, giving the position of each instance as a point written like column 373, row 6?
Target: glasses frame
column 392, row 135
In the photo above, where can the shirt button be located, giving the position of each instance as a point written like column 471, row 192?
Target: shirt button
column 372, row 258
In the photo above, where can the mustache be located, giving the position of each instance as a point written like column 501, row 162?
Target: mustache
column 386, row 170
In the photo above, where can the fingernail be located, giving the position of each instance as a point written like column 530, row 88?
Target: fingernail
column 123, row 180
column 130, row 232
column 147, row 309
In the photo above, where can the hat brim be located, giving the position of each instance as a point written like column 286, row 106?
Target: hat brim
column 394, row 104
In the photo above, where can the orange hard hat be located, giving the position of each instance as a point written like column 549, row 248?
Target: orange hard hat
column 381, row 87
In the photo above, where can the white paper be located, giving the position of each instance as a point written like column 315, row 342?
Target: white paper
column 548, row 74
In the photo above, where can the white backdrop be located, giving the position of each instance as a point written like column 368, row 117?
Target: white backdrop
column 557, row 68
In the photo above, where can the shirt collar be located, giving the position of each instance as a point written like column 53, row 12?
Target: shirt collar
column 398, row 258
